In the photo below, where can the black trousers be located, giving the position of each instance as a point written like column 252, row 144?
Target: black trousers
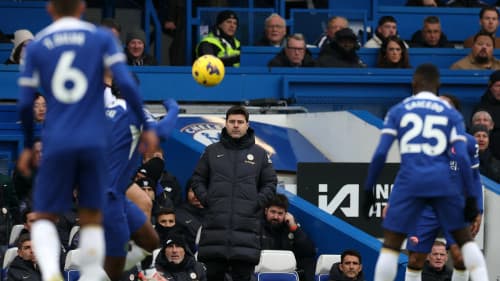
column 238, row 270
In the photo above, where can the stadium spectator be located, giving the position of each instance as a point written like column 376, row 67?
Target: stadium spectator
column 490, row 102
column 172, row 16
column 431, row 35
column 435, row 268
column 425, row 3
column 488, row 22
column 233, row 180
column 350, row 267
column 222, row 42
column 335, row 24
column 393, row 54
column 190, row 214
column 483, row 117
column 341, row 52
column 24, row 266
column 489, row 165
column 176, row 262
column 280, row 231
column 274, row 32
column 39, row 108
column 294, row 54
column 387, row 26
column 22, row 37
column 481, row 55
column 166, row 225
column 135, row 43
column 112, row 24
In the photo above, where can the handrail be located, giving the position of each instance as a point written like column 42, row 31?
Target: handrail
column 150, row 13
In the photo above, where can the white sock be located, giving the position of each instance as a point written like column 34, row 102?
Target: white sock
column 413, row 275
column 474, row 261
column 387, row 265
column 460, row 275
column 91, row 251
column 47, row 248
column 134, row 256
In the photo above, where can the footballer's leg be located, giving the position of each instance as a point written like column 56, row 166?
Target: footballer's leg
column 141, row 199
column 47, row 246
column 473, row 258
column 387, row 263
column 459, row 271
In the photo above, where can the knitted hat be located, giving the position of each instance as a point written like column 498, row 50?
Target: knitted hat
column 226, row 14
column 135, row 34
column 175, row 239
column 20, row 36
column 479, row 128
column 346, row 33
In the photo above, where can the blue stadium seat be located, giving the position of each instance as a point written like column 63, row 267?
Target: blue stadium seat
column 8, row 257
column 71, row 272
column 323, row 265
column 276, row 265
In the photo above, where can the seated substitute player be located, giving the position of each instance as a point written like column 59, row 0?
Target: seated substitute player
column 420, row 241
column 122, row 218
column 426, row 128
column 67, row 60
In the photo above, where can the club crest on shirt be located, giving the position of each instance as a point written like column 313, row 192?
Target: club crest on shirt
column 249, row 159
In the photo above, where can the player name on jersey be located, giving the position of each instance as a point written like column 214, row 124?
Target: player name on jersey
column 64, row 38
column 432, row 105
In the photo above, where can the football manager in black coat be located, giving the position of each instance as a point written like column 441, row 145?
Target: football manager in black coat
column 233, row 180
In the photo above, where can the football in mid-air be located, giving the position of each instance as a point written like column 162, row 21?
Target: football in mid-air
column 208, row 70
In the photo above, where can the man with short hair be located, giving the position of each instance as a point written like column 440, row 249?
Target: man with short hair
column 488, row 22
column 387, row 26
column 274, row 31
column 482, row 117
column 481, row 55
column 294, row 54
column 24, row 266
column 280, row 231
column 350, row 267
column 435, row 268
column 335, row 24
column 233, row 180
column 431, row 35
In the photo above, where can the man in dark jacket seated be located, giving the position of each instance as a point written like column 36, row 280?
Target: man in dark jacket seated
column 349, row 268
column 280, row 231
column 294, row 54
column 435, row 267
column 431, row 35
column 24, row 267
column 341, row 52
column 176, row 262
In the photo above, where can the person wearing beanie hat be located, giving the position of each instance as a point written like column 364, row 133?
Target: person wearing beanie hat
column 135, row 44
column 21, row 38
column 222, row 41
column 176, row 262
column 341, row 51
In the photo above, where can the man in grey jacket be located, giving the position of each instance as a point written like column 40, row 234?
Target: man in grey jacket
column 233, row 180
